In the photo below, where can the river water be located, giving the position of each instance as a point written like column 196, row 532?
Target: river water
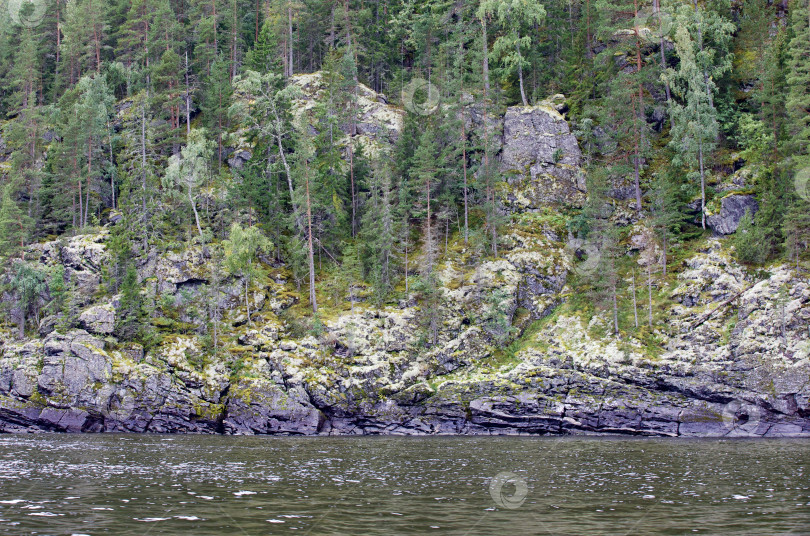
column 213, row 485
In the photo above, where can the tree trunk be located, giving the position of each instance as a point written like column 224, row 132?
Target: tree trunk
column 446, row 234
column 290, row 37
column 702, row 186
column 196, row 215
column 649, row 296
column 588, row 47
column 112, row 174
column 520, row 73
column 89, row 174
column 278, row 132
column 635, row 307
column 615, row 311
column 312, row 297
column 486, row 58
column 214, row 9
column 96, row 43
column 407, row 232
column 637, row 174
column 143, row 160
column 705, row 73
column 657, row 11
column 464, row 165
column 81, row 204
column 21, row 324
column 233, row 42
column 188, row 101
column 247, row 301
column 429, row 244
column 637, row 114
column 354, row 197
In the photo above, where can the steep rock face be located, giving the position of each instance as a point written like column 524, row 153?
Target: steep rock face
column 83, row 257
column 733, row 208
column 378, row 124
column 734, row 361
column 99, row 319
column 731, row 358
column 540, row 158
column 260, row 406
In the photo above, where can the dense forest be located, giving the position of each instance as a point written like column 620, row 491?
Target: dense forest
column 173, row 124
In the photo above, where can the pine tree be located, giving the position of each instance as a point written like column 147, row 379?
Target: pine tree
column 798, row 77
column 623, row 110
column 304, row 156
column 796, row 229
column 666, row 217
column 130, row 315
column 426, row 171
column 28, row 282
column 13, row 225
column 262, row 58
column 516, row 18
column 378, row 234
column 701, row 42
column 268, row 121
column 694, row 117
column 748, row 240
column 216, row 101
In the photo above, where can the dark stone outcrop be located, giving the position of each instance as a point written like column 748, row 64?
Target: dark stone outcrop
column 541, row 157
column 733, row 208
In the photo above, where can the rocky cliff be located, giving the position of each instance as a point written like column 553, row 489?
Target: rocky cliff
column 727, row 354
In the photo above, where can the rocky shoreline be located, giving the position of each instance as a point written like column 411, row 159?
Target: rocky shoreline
column 731, row 376
column 729, row 358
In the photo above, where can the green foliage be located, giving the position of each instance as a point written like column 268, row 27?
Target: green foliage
column 754, row 137
column 94, row 128
column 27, row 284
column 428, row 317
column 517, row 18
column 13, row 225
column 798, row 77
column 498, row 321
column 241, row 251
column 748, row 241
column 130, row 315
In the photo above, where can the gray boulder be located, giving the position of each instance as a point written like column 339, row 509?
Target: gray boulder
column 541, row 158
column 73, row 365
column 239, row 158
column 99, row 319
column 260, row 406
column 733, row 208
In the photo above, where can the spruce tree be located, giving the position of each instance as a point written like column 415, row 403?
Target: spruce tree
column 516, row 19
column 798, row 78
column 694, row 117
column 14, row 225
column 130, row 315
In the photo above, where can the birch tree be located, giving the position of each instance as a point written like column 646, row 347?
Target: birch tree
column 191, row 169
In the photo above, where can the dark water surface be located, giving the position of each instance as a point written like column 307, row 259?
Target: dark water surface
column 212, row 485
